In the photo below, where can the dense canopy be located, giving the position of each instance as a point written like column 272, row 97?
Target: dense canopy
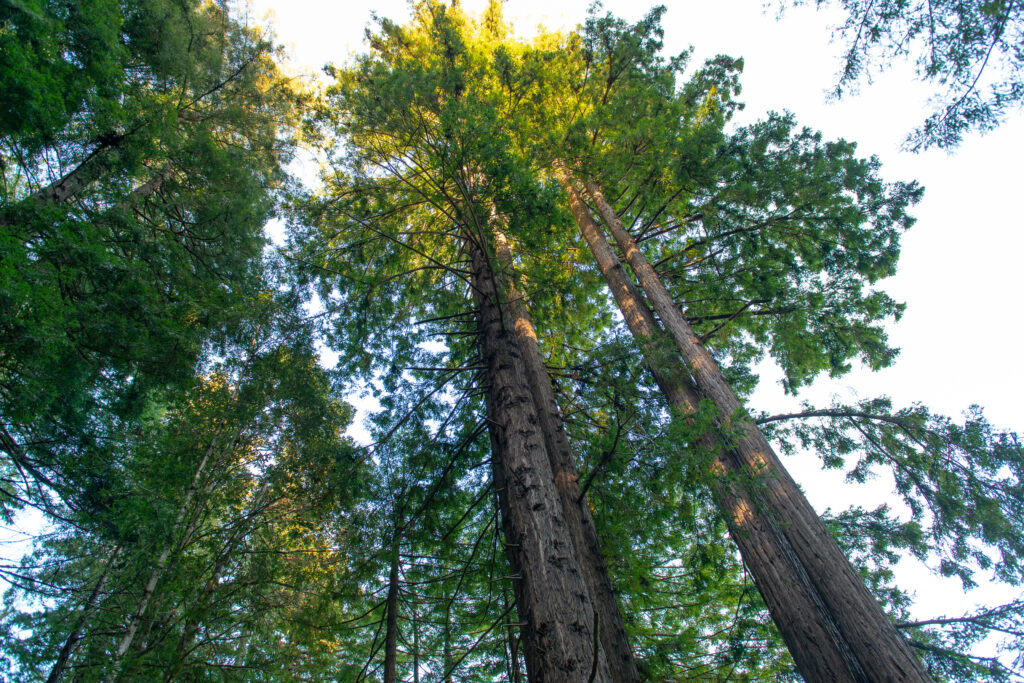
column 556, row 263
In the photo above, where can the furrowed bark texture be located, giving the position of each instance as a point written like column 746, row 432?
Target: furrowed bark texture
column 878, row 648
column 391, row 636
column 500, row 492
column 552, row 598
column 584, row 536
column 796, row 608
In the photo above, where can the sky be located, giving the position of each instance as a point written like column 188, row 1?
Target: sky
column 960, row 270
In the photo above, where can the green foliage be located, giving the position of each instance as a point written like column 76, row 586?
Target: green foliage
column 163, row 403
column 762, row 234
column 118, row 272
column 962, row 482
column 970, row 50
column 690, row 607
column 54, row 58
column 241, row 483
column 944, row 643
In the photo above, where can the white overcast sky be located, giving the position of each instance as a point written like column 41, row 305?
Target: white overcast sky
column 961, row 270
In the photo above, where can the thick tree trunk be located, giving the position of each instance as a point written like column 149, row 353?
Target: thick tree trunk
column 500, row 490
column 60, row 666
column 552, row 597
column 391, row 606
column 584, row 536
column 879, row 649
column 792, row 600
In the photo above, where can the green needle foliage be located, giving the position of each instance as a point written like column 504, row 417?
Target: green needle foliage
column 165, row 409
column 770, row 237
column 961, row 482
column 971, row 51
column 132, row 217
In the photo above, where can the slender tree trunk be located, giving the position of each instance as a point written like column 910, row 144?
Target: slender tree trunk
column 60, row 666
column 797, row 609
column 879, row 649
column 140, row 610
column 147, row 189
column 513, row 644
column 552, row 599
column 391, row 605
column 91, row 169
column 446, row 655
column 585, row 540
column 66, row 187
column 193, row 622
column 158, row 568
column 415, row 645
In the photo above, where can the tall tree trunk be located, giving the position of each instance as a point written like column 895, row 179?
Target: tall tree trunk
column 581, row 527
column 391, row 606
column 552, row 599
column 415, row 645
column 88, row 171
column 158, row 568
column 446, row 654
column 500, row 492
column 59, row 667
column 513, row 643
column 226, row 554
column 880, row 650
column 795, row 606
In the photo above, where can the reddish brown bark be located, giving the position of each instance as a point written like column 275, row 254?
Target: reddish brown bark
column 553, row 602
column 500, row 489
column 614, row 639
column 795, row 606
column 872, row 639
column 849, row 630
column 391, row 606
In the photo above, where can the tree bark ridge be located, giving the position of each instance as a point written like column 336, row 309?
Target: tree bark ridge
column 552, row 599
column 614, row 639
column 795, row 606
column 869, row 639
